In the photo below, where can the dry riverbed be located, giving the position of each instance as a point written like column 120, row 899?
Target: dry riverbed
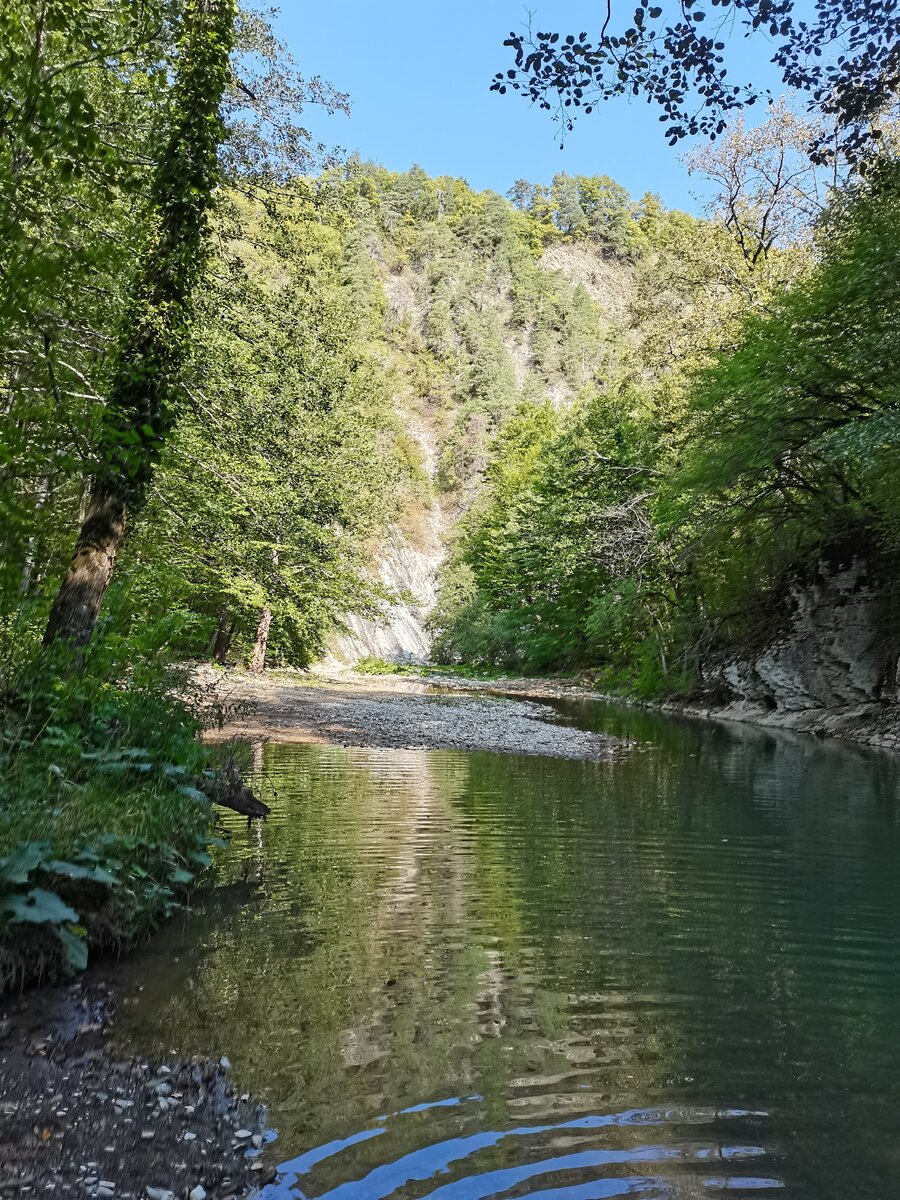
column 396, row 711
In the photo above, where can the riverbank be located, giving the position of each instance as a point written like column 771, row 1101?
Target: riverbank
column 876, row 725
column 76, row 1121
column 438, row 711
column 399, row 712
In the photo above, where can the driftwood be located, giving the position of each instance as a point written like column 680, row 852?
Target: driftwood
column 227, row 789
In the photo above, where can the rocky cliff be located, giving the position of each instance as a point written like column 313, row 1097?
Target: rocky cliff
column 831, row 667
column 447, row 421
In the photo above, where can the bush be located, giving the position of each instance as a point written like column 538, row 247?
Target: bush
column 103, row 818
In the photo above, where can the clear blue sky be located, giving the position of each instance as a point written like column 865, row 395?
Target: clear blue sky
column 418, row 75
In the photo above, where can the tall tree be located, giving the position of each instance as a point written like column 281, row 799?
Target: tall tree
column 768, row 193
column 153, row 338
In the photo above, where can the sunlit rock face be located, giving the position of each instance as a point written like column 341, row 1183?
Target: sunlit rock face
column 833, row 651
column 401, row 635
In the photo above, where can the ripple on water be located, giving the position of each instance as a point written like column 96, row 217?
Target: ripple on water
column 591, row 1156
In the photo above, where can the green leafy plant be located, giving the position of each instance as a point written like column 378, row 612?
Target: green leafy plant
column 24, row 901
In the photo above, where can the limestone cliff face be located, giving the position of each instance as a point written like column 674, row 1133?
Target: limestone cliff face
column 401, row 634
column 408, row 562
column 834, row 652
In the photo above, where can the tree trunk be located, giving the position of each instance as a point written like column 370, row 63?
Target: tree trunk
column 217, row 633
column 74, row 614
column 153, row 338
column 258, row 661
column 32, row 546
column 223, row 641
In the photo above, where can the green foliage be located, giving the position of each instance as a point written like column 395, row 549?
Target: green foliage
column 473, row 323
column 248, row 381
column 102, row 824
column 286, row 458
column 658, row 522
column 379, row 666
column 548, row 563
column 578, row 206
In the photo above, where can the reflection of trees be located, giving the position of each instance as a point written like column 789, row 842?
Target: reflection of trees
column 708, row 923
column 722, row 908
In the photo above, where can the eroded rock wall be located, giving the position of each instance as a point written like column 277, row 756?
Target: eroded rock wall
column 401, row 634
column 834, row 651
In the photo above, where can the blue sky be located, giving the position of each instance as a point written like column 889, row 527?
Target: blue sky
column 418, row 75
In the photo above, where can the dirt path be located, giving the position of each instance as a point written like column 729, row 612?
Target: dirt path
column 400, row 712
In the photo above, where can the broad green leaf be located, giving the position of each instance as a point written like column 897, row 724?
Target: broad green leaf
column 38, row 907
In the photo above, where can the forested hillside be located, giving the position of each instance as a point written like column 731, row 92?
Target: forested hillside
column 478, row 305
column 594, row 390
column 738, row 450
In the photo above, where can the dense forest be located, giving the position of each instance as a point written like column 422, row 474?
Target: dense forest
column 233, row 368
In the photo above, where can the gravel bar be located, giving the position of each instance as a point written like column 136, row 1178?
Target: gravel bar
column 401, row 713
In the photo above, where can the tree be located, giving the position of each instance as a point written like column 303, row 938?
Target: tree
column 82, row 95
column 521, row 194
column 800, row 420
column 769, row 194
column 281, row 465
column 666, row 55
column 570, row 216
column 154, row 331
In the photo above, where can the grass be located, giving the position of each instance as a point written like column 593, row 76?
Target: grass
column 381, row 666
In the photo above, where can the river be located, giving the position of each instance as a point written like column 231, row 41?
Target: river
column 465, row 975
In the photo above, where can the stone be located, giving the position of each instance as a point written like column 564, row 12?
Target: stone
column 828, row 652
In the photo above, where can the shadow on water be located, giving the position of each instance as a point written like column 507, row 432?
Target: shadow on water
column 467, row 975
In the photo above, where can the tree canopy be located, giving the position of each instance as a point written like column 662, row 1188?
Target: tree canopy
column 844, row 55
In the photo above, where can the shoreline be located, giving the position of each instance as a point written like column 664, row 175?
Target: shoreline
column 78, row 1120
column 397, row 712
column 875, row 725
column 290, row 707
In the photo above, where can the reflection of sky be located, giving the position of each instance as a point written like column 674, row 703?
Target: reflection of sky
column 436, row 1160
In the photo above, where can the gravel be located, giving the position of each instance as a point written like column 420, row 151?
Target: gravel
column 76, row 1123
column 401, row 713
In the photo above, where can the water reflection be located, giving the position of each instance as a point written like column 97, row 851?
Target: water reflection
column 463, row 976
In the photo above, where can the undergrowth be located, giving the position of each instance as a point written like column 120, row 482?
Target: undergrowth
column 104, row 817
column 381, row 666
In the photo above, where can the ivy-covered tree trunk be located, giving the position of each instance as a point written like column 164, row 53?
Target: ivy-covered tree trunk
column 154, row 332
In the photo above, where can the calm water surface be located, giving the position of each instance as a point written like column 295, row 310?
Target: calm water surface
column 465, row 975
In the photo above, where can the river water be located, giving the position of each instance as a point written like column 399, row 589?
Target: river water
column 468, row 975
